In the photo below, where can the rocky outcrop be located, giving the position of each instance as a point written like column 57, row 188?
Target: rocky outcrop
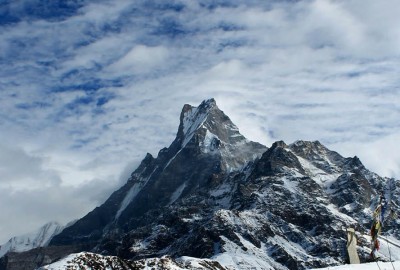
column 87, row 260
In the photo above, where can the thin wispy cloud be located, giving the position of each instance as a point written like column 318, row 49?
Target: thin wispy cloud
column 88, row 87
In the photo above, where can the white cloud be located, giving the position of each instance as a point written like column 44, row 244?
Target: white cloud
column 25, row 209
column 62, row 187
column 330, row 24
column 18, row 169
column 381, row 155
column 140, row 60
column 104, row 12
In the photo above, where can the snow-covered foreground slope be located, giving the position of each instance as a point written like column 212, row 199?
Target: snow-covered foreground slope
column 39, row 238
column 366, row 266
column 91, row 261
column 389, row 247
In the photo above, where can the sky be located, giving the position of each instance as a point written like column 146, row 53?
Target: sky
column 87, row 88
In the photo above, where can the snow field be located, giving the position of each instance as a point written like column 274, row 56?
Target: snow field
column 365, row 266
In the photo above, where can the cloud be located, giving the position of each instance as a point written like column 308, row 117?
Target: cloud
column 35, row 189
column 140, row 60
column 85, row 95
column 379, row 155
column 19, row 169
column 61, row 203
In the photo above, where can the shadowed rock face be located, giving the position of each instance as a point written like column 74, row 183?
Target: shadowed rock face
column 214, row 194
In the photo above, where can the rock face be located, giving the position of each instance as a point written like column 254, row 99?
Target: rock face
column 214, row 194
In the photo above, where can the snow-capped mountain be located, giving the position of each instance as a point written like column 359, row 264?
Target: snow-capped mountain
column 218, row 197
column 208, row 145
column 39, row 238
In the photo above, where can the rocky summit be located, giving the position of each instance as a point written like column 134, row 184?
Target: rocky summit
column 215, row 200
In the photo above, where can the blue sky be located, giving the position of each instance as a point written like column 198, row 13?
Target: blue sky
column 87, row 88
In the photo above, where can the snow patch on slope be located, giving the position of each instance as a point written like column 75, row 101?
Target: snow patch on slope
column 222, row 190
column 210, row 142
column 61, row 264
column 322, row 178
column 235, row 257
column 333, row 209
column 177, row 193
column 292, row 248
column 132, row 193
column 290, row 185
column 192, row 120
column 39, row 238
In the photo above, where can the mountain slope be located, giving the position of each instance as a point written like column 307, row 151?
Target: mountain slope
column 39, row 238
column 281, row 212
column 212, row 194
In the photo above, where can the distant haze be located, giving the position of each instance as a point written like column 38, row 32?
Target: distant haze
column 87, row 88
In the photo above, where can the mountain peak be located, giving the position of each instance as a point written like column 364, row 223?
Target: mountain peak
column 204, row 107
column 193, row 117
column 280, row 144
column 209, row 123
column 318, row 154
